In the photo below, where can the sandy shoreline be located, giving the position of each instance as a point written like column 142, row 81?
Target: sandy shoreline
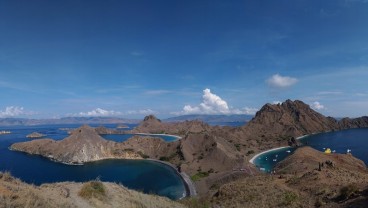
column 188, row 183
column 264, row 152
column 301, row 137
column 270, row 150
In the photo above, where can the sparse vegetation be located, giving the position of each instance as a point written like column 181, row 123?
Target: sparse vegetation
column 348, row 191
column 93, row 189
column 163, row 158
column 198, row 176
column 289, row 198
column 237, row 146
column 250, row 152
column 195, row 203
column 6, row 176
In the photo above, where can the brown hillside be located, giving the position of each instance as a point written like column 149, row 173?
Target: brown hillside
column 299, row 183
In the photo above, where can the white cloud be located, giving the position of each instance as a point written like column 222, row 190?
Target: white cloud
column 318, row 106
column 12, row 111
column 213, row 104
column 157, row 92
column 142, row 112
column 276, row 102
column 279, row 81
column 100, row 112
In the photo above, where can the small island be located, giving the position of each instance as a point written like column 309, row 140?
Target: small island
column 5, row 132
column 122, row 126
column 35, row 135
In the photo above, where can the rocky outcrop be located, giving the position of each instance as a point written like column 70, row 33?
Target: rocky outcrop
column 291, row 118
column 35, row 135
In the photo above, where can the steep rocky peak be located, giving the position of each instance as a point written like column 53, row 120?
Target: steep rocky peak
column 288, row 105
column 151, row 118
column 83, row 133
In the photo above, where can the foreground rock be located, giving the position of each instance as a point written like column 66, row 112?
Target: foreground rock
column 14, row 193
column 35, row 135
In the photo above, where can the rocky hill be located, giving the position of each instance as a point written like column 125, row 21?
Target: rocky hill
column 275, row 124
column 83, row 145
column 291, row 118
column 151, row 124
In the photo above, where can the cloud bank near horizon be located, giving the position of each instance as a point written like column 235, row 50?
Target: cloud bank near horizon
column 213, row 104
column 13, row 111
column 100, row 112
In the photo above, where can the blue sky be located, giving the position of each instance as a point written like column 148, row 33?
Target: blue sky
column 169, row 57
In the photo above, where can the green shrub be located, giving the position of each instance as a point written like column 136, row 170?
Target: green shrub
column 199, row 175
column 289, row 198
column 348, row 191
column 93, row 189
column 144, row 156
column 163, row 158
column 250, row 152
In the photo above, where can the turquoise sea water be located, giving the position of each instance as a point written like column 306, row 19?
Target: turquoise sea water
column 355, row 140
column 142, row 175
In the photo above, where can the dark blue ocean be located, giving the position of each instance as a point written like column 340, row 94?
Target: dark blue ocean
column 142, row 175
column 355, row 140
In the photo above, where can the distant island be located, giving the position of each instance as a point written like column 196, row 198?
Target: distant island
column 120, row 121
column 5, row 132
column 35, row 135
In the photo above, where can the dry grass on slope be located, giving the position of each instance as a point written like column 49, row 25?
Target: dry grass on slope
column 14, row 193
column 259, row 191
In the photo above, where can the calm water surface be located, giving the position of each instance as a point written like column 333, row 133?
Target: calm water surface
column 339, row 141
column 146, row 176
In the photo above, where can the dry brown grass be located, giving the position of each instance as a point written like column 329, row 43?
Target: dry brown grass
column 14, row 193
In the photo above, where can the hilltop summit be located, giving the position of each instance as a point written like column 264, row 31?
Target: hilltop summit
column 292, row 118
column 151, row 118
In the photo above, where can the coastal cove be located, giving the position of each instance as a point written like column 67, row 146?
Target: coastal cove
column 143, row 175
column 355, row 140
